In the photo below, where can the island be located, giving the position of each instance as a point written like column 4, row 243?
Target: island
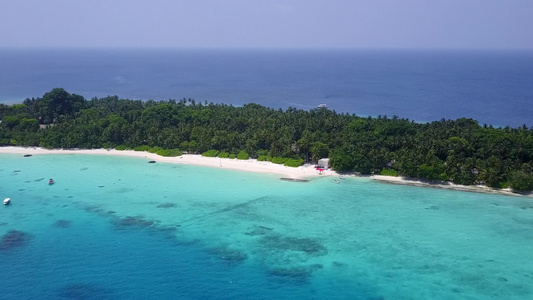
column 460, row 152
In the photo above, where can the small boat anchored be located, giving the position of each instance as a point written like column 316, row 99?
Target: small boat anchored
column 51, row 181
column 7, row 201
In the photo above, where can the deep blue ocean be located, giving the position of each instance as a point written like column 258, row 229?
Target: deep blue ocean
column 493, row 87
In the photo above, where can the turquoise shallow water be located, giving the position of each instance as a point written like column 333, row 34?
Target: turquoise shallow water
column 120, row 228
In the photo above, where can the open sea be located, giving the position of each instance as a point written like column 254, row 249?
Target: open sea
column 120, row 228
column 493, row 87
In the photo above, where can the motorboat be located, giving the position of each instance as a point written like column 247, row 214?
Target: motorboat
column 7, row 201
column 51, row 181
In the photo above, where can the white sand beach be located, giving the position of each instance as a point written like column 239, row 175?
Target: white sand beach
column 252, row 165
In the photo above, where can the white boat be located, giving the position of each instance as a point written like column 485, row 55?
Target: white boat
column 7, row 201
column 322, row 106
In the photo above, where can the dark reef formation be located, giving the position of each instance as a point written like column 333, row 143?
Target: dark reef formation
column 130, row 222
column 62, row 223
column 300, row 273
column 166, row 205
column 259, row 230
column 14, row 239
column 311, row 247
column 231, row 256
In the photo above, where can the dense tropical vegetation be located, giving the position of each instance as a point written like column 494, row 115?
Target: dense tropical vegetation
column 460, row 150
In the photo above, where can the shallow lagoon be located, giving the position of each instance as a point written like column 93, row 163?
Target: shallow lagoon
column 120, row 228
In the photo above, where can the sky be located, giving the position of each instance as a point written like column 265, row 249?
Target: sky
column 455, row 24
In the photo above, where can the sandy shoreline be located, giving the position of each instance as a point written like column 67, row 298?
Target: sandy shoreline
column 447, row 185
column 251, row 165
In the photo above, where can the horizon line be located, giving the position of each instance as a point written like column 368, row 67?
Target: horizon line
column 265, row 48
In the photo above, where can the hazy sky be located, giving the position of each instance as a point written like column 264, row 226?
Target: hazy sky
column 267, row 23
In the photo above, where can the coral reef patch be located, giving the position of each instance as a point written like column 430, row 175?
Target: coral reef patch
column 129, row 222
column 300, row 273
column 62, row 223
column 259, row 230
column 14, row 239
column 231, row 256
column 311, row 247
column 166, row 205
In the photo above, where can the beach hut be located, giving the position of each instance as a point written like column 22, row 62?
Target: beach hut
column 323, row 163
